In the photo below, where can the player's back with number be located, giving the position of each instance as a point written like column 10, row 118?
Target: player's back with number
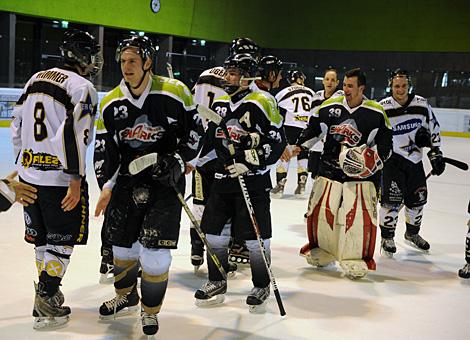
column 53, row 125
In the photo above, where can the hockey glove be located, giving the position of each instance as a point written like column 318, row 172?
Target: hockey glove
column 168, row 169
column 437, row 161
column 360, row 161
column 249, row 141
column 423, row 138
column 245, row 161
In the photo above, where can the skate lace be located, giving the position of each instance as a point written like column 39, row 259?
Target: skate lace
column 211, row 286
column 116, row 302
column 259, row 292
column 149, row 319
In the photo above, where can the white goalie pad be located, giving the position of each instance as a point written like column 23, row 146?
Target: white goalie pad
column 342, row 220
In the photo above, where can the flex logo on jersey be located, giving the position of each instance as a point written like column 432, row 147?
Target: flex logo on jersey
column 406, row 126
column 346, row 132
column 40, row 161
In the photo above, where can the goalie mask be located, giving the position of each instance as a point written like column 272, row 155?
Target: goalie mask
column 243, row 63
column 81, row 49
column 360, row 161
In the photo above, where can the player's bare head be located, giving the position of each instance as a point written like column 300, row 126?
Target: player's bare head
column 244, row 45
column 81, row 50
column 270, row 70
column 241, row 70
column 296, row 77
column 354, row 84
column 400, row 82
column 330, row 80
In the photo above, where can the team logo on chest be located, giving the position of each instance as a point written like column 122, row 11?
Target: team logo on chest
column 141, row 132
column 346, row 132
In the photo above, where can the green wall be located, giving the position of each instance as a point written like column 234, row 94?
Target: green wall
column 381, row 25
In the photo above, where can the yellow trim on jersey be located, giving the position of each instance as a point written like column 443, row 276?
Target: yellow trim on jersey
column 268, row 104
column 111, row 95
column 373, row 104
column 173, row 87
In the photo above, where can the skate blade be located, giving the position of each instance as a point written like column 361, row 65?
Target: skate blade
column 106, row 279
column 213, row 301
column 411, row 244
column 277, row 195
column 386, row 253
column 122, row 312
column 142, row 163
column 47, row 323
column 258, row 309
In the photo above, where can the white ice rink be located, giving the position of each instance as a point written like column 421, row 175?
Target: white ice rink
column 413, row 296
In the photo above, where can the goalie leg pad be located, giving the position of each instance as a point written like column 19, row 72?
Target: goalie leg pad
column 323, row 207
column 357, row 223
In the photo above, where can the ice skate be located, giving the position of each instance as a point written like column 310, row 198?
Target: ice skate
column 258, row 299
column 318, row 257
column 278, row 190
column 416, row 241
column 232, row 269
column 354, row 269
column 120, row 305
column 300, row 190
column 47, row 311
column 197, row 256
column 239, row 254
column 464, row 273
column 388, row 247
column 211, row 293
column 149, row 324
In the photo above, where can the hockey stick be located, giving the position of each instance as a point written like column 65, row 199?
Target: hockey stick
column 169, row 68
column 215, row 118
column 458, row 164
column 141, row 163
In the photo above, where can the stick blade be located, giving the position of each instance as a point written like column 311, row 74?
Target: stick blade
column 142, row 163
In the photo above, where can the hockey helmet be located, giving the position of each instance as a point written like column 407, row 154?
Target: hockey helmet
column 399, row 72
column 243, row 62
column 146, row 49
column 267, row 64
column 81, row 48
column 294, row 75
column 244, row 45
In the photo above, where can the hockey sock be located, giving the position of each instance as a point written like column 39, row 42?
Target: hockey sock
column 39, row 252
column 56, row 261
column 388, row 218
column 259, row 272
column 125, row 275
column 153, row 289
column 280, row 176
column 219, row 245
column 413, row 217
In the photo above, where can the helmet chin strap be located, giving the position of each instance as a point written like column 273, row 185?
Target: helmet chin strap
column 242, row 87
column 141, row 79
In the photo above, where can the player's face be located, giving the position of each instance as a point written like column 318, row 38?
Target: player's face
column 352, row 91
column 400, row 89
column 277, row 80
column 234, row 76
column 330, row 82
column 131, row 66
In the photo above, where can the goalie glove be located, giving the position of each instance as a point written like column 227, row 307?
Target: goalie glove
column 245, row 161
column 437, row 161
column 249, row 141
column 168, row 169
column 360, row 161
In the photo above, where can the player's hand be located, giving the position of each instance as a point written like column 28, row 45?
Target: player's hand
column 287, row 154
column 296, row 150
column 72, row 198
column 24, row 193
column 188, row 168
column 103, row 201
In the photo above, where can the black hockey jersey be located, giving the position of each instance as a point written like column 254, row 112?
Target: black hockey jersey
column 162, row 120
column 342, row 126
column 257, row 112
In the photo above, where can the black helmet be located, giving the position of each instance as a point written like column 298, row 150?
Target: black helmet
column 399, row 72
column 244, row 62
column 244, row 45
column 81, row 48
column 293, row 75
column 267, row 64
column 143, row 43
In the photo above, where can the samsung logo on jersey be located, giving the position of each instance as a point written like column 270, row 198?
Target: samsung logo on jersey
column 406, row 126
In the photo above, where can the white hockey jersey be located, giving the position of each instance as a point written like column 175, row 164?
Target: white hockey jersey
column 406, row 120
column 297, row 101
column 53, row 124
column 209, row 86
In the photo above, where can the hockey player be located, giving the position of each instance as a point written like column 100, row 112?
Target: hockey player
column 210, row 86
column 464, row 273
column 12, row 190
column 295, row 103
column 270, row 72
column 342, row 207
column 255, row 129
column 414, row 127
column 330, row 83
column 144, row 114
column 52, row 127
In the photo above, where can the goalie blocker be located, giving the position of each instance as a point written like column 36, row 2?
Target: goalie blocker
column 342, row 216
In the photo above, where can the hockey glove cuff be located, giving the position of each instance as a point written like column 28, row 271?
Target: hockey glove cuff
column 245, row 161
column 168, row 169
column 437, row 161
column 249, row 141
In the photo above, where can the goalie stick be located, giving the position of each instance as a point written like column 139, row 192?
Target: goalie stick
column 143, row 162
column 215, row 118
